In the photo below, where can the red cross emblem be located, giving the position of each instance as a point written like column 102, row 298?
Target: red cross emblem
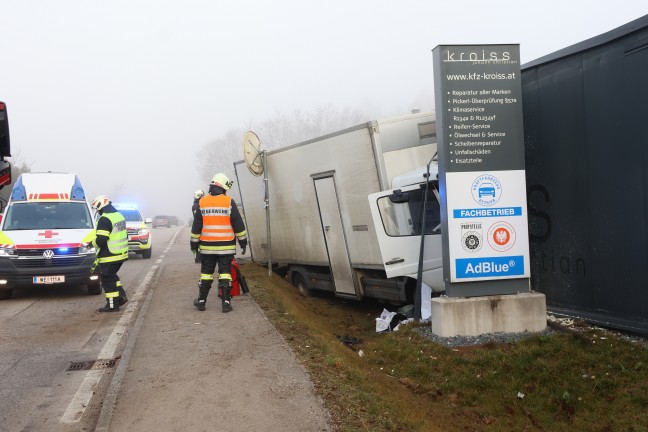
column 48, row 234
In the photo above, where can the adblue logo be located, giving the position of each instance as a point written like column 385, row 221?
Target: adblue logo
column 489, row 267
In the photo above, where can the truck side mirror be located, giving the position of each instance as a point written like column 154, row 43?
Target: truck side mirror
column 399, row 197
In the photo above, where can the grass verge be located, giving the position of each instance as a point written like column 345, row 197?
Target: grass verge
column 401, row 381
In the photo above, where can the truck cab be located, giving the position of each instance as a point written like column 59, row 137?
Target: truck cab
column 46, row 235
column 398, row 223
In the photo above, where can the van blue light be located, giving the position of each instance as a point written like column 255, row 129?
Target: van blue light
column 77, row 192
column 18, row 193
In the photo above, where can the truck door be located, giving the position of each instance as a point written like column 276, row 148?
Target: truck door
column 398, row 228
column 333, row 231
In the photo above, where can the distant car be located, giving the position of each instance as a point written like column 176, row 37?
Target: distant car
column 173, row 221
column 161, row 221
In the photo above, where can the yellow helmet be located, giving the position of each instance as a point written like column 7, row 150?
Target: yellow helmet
column 221, row 180
column 199, row 193
column 100, row 202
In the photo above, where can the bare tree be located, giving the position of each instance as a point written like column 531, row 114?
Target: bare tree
column 280, row 131
column 220, row 154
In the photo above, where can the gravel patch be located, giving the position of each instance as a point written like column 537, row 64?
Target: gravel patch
column 462, row 341
column 555, row 325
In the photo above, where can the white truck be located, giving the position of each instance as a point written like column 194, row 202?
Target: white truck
column 334, row 223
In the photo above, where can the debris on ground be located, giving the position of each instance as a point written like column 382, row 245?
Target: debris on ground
column 348, row 341
column 389, row 321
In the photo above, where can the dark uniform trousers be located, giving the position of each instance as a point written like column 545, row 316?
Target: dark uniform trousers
column 109, row 278
column 208, row 264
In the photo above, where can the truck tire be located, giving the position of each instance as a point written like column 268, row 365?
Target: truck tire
column 94, row 289
column 302, row 285
column 146, row 253
column 5, row 293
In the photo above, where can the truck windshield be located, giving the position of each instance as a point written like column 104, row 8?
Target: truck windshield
column 47, row 215
column 404, row 219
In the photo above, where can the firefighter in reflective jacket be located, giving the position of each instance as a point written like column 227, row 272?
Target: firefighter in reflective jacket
column 112, row 250
column 216, row 228
column 194, row 208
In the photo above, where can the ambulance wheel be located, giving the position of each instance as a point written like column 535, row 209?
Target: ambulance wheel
column 5, row 293
column 146, row 253
column 300, row 282
column 94, row 289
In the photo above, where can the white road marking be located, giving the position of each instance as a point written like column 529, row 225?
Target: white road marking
column 79, row 403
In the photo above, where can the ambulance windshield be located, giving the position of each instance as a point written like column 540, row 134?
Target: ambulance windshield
column 47, row 215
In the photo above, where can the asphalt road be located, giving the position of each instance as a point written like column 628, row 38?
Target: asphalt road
column 57, row 352
column 159, row 364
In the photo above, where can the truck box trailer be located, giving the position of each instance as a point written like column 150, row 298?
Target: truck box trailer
column 322, row 233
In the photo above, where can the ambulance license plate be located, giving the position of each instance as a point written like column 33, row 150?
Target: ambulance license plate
column 48, row 279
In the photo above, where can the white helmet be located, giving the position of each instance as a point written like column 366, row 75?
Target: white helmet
column 100, row 202
column 221, row 180
column 199, row 193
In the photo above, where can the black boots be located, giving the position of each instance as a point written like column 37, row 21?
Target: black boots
column 112, row 305
column 199, row 304
column 225, row 294
column 203, row 291
column 122, row 299
column 226, row 299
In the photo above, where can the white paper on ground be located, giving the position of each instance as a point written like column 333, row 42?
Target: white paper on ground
column 382, row 323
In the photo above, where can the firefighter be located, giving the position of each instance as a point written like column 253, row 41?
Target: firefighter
column 194, row 208
column 112, row 250
column 216, row 228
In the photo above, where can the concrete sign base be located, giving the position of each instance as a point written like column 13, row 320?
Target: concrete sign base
column 474, row 316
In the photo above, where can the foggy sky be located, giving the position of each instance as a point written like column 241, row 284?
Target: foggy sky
column 125, row 92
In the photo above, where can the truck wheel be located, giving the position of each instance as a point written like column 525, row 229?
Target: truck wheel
column 5, row 293
column 300, row 282
column 146, row 253
column 94, row 289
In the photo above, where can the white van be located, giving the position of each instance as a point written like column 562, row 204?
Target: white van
column 46, row 235
column 140, row 239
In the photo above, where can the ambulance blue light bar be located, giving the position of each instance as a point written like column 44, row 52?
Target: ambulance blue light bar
column 18, row 193
column 77, row 192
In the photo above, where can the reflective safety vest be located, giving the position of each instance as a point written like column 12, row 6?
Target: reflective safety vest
column 217, row 226
column 117, row 238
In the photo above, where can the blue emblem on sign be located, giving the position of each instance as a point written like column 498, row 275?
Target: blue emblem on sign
column 486, row 190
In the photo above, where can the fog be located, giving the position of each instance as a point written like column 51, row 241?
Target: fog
column 126, row 93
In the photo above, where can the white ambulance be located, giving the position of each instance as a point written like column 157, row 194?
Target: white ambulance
column 46, row 235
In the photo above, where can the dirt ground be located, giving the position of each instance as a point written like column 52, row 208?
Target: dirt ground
column 206, row 371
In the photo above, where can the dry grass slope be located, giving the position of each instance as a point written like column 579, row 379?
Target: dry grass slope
column 404, row 382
